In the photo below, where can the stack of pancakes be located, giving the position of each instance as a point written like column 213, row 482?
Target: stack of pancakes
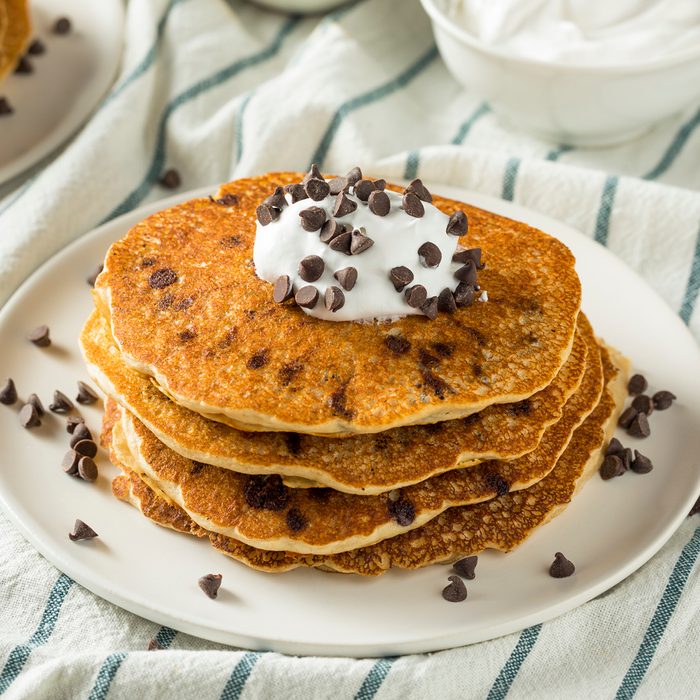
column 15, row 28
column 292, row 441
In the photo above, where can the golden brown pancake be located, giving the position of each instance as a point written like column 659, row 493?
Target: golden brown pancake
column 15, row 30
column 187, row 308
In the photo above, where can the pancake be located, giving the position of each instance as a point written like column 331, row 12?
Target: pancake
column 187, row 309
column 312, row 521
column 363, row 464
column 502, row 523
column 15, row 30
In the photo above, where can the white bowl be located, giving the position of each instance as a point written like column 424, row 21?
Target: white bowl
column 574, row 104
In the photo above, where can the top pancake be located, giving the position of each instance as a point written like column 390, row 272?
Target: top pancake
column 15, row 28
column 216, row 342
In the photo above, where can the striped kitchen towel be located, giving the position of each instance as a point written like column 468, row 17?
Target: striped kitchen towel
column 221, row 89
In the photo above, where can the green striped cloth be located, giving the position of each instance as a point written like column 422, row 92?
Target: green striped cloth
column 220, row 90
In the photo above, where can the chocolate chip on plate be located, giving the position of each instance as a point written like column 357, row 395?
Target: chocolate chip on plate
column 347, row 277
column 210, row 584
column 429, row 255
column 457, row 224
column 92, row 278
column 82, row 531
column 641, row 464
column 430, row 308
column 8, row 393
column 86, row 448
column 61, row 403
column 28, row 416
column 626, row 456
column 612, row 466
column 35, row 401
column 359, row 242
column 420, row 190
column 614, row 447
column 334, row 298
column 170, row 179
column 5, row 107
column 69, row 463
column 643, row 404
column 379, row 203
column 311, row 268
column 36, row 48
column 561, row 567
column 62, row 26
column 354, row 176
column 312, row 218
column 24, row 66
column 317, row 189
column 343, row 205
column 637, row 384
column 283, row 289
column 307, row 297
column 72, row 422
column 663, row 400
column 639, row 427
column 465, row 567
column 416, row 296
column 86, row 394
column 400, row 277
column 412, row 205
column 87, row 469
column 467, row 273
column 39, row 336
column 297, row 191
column 446, row 301
column 363, row 189
column 627, row 416
column 456, row 591
column 266, row 214
column 80, row 432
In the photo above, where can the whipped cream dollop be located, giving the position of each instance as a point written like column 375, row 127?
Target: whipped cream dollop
column 590, row 32
column 364, row 264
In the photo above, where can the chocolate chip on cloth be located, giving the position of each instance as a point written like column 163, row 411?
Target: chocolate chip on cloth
column 170, row 179
column 266, row 214
column 28, row 417
column 162, row 278
column 402, row 510
column 456, row 591
column 307, row 297
column 311, row 268
column 40, row 337
column 663, row 400
column 312, row 218
column 82, row 531
column 283, row 289
column 612, row 466
column 429, row 255
column 8, row 393
column 561, row 567
column 153, row 645
column 637, row 384
column 412, row 205
column 639, row 427
column 210, row 584
column 347, row 277
column 466, row 567
column 86, row 394
column 334, row 298
column 61, row 403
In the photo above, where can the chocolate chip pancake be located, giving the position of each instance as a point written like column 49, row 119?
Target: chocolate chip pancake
column 187, row 308
column 15, row 28
column 365, row 464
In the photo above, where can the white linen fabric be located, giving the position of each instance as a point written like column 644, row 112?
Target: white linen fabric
column 220, row 90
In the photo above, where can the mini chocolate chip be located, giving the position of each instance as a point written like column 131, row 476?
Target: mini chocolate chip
column 296, row 521
column 86, row 395
column 170, row 179
column 227, row 200
column 311, row 268
column 258, row 359
column 354, row 176
column 379, row 203
column 24, row 66
column 186, row 335
column 5, row 107
column 313, row 174
column 283, row 289
column 458, row 224
column 317, row 189
column 342, row 243
column 338, row 185
column 465, row 567
column 266, row 214
column 627, row 416
column 72, row 423
column 464, row 294
column 467, row 273
column 343, row 205
column 663, row 400
column 330, row 230
column 456, row 591
column 359, row 242
column 363, row 189
column 297, row 192
column 380, row 184
column 69, row 463
column 641, row 464
column 8, row 393
column 643, row 404
column 498, row 484
column 397, row 344
column 266, row 492
column 416, row 296
column 462, row 255
column 412, row 205
column 446, row 301
column 334, row 298
column 61, row 26
column 420, row 190
column 307, row 297
column 312, row 218
column 347, row 277
column 429, row 255
column 443, row 349
column 36, row 48
column 61, row 403
column 87, row 448
column 162, row 278
column 639, row 427
column 35, row 401
column 293, row 442
column 87, row 469
column 28, row 416
column 612, row 466
column 400, row 277
column 82, row 531
column 402, row 510
column 614, row 447
column 276, row 199
column 40, row 336
column 210, row 584
column 81, row 432
column 430, row 308
column 561, row 567
column 92, row 278
column 637, row 384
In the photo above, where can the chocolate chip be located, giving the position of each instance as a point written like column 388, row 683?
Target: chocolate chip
column 359, row 242
column 465, row 567
column 443, row 349
column 637, row 384
column 343, row 205
column 154, row 646
column 400, row 277
column 82, row 531
column 293, row 442
column 40, row 336
column 283, row 289
column 69, row 463
column 420, row 190
column 210, row 584
column 72, row 423
column 498, row 483
column 87, row 448
column 86, row 395
column 663, row 400
column 334, row 298
column 402, row 510
column 641, row 464
column 342, row 243
column 397, row 344
column 463, row 255
column 337, row 402
column 170, row 179
column 354, row 176
column 311, row 268
column 226, row 200
column 92, row 278
column 80, row 432
column 612, row 466
column 561, row 567
column 87, row 469
column 429, row 255
column 277, row 199
column 184, row 304
column 186, row 335
column 61, row 26
column 467, row 273
column 627, row 416
column 456, row 591
column 639, row 427
column 28, row 416
column 8, row 393
column 338, row 185
column 313, row 174
column 416, row 296
column 695, row 508
column 380, row 184
column 317, row 189
column 35, row 401
column 614, row 447
column 266, row 214
column 266, row 492
column 258, row 360
column 330, row 230
column 412, row 205
column 446, row 301
column 379, row 203
column 5, row 107
column 162, row 278
column 296, row 521
column 307, row 297
column 61, row 403
column 312, row 218
column 458, row 224
column 36, row 48
column 347, row 277
column 643, row 404
column 464, row 294
column 363, row 189
column 430, row 308
column 297, row 192
column 626, row 457
column 24, row 66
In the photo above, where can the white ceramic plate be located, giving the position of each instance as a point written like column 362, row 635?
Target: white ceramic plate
column 68, row 81
column 154, row 572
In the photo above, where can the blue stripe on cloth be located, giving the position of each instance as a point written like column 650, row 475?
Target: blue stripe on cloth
column 105, row 676
column 239, row 676
column 215, row 80
column 412, row 164
column 607, row 200
column 517, row 657
column 509, row 178
column 368, row 98
column 374, row 679
column 675, row 148
column 556, row 153
column 165, row 636
column 19, row 655
column 691, row 290
column 662, row 615
column 468, row 123
column 239, row 125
